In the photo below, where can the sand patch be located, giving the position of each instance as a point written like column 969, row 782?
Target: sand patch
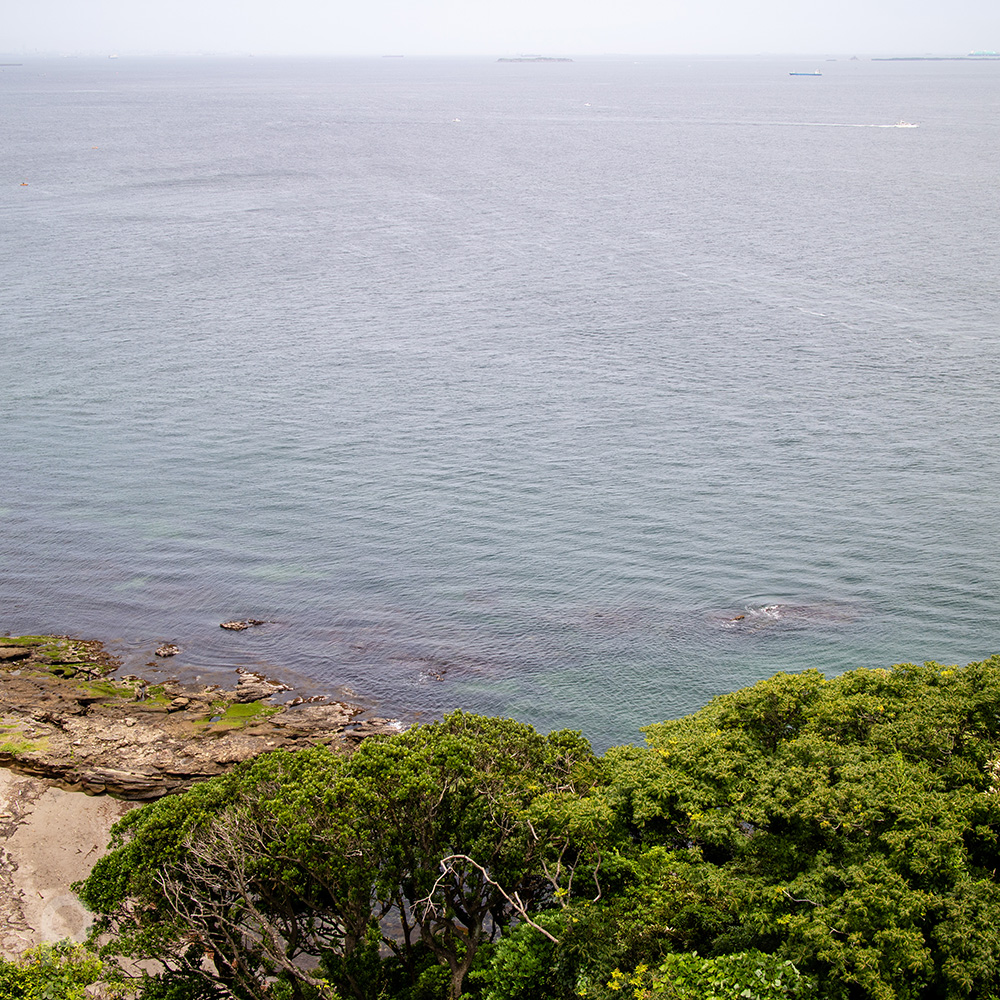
column 49, row 839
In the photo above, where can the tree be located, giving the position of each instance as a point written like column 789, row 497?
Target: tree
column 850, row 827
column 681, row 976
column 444, row 809
column 852, row 822
column 299, row 857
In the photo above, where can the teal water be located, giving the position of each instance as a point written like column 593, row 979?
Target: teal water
column 503, row 386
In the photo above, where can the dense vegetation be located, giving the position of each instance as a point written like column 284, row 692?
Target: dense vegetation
column 799, row 838
column 61, row 971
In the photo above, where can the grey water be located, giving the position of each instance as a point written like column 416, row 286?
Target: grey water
column 503, row 386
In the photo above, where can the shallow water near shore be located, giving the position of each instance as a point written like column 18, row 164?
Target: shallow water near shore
column 507, row 387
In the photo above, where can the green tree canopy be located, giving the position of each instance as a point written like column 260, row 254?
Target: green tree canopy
column 799, row 837
column 854, row 821
column 304, row 856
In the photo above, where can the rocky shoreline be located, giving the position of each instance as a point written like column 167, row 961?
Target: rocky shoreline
column 68, row 726
column 63, row 717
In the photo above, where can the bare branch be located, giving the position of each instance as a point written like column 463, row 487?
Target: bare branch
column 447, row 868
column 803, row 900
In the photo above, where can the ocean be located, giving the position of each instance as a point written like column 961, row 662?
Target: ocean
column 503, row 386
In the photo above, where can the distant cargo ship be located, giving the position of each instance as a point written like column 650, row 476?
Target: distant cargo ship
column 814, row 73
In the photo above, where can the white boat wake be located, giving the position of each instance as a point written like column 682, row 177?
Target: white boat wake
column 899, row 124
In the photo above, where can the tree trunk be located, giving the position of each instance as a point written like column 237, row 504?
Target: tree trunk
column 459, row 969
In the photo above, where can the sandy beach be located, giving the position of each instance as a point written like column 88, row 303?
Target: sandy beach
column 49, row 839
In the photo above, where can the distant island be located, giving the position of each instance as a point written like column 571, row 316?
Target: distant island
column 534, row 59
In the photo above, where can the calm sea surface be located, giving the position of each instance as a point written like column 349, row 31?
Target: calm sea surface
column 503, row 386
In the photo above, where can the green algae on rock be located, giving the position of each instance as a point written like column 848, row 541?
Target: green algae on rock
column 65, row 718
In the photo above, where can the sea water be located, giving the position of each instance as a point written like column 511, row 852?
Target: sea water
column 503, row 386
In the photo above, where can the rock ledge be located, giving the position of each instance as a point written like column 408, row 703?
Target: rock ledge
column 63, row 719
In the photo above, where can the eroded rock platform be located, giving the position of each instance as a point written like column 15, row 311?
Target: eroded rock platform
column 65, row 719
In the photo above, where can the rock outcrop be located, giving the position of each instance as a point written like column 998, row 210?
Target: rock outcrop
column 64, row 719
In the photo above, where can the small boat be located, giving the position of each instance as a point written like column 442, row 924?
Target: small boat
column 814, row 73
column 902, row 124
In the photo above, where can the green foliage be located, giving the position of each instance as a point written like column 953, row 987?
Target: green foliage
column 301, row 855
column 848, row 828
column 147, row 840
column 176, row 986
column 850, row 823
column 654, row 904
column 743, row 976
column 59, row 971
column 432, row 984
column 526, row 965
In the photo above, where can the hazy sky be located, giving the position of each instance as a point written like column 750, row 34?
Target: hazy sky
column 374, row 27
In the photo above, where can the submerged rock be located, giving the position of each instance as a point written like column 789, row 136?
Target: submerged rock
column 790, row 617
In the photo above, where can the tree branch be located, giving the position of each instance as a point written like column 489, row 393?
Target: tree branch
column 447, row 868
